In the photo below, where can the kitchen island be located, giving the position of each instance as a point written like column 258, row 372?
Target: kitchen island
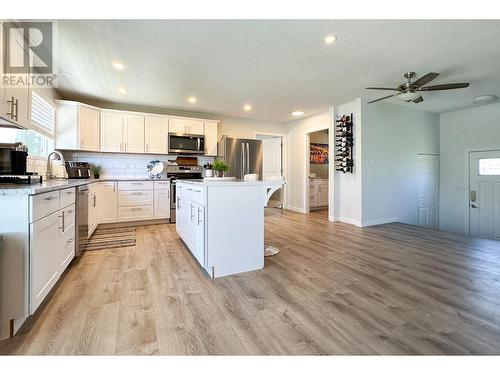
column 222, row 223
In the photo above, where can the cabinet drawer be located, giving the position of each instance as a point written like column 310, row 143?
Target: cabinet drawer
column 67, row 197
column 69, row 214
column 135, row 198
column 134, row 213
column 135, row 185
column 195, row 194
column 44, row 204
column 162, row 185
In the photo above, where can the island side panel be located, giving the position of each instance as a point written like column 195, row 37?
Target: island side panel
column 235, row 229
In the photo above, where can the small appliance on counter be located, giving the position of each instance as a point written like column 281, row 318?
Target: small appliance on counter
column 13, row 159
column 77, row 169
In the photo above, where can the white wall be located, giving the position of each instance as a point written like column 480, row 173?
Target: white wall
column 348, row 185
column 393, row 135
column 472, row 129
column 238, row 127
column 297, row 154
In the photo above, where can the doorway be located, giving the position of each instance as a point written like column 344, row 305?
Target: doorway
column 428, row 190
column 273, row 164
column 318, row 171
column 484, row 194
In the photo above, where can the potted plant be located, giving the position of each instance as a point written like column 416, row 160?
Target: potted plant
column 96, row 170
column 208, row 169
column 220, row 166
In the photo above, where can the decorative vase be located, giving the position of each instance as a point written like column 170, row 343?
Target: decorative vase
column 209, row 173
column 96, row 176
column 220, row 173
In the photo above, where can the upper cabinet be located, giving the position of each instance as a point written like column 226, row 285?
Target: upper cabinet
column 186, row 126
column 83, row 127
column 156, row 134
column 77, row 126
column 211, row 138
column 133, row 133
column 112, row 131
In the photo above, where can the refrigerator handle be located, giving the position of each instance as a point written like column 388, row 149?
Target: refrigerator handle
column 243, row 162
column 248, row 158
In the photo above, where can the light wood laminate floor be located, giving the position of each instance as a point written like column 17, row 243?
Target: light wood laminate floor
column 333, row 289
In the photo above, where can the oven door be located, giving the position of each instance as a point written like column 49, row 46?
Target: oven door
column 186, row 144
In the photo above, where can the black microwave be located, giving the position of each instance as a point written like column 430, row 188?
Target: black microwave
column 186, row 144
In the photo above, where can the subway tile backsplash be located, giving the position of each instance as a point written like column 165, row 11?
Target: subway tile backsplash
column 124, row 165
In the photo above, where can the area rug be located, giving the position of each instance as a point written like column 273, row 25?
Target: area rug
column 111, row 238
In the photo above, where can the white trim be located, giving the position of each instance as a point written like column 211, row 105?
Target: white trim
column 348, row 220
column 296, row 209
column 379, row 221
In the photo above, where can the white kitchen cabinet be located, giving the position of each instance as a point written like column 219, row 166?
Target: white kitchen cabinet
column 211, row 138
column 199, row 242
column 107, row 202
column 93, row 213
column 66, row 239
column 135, row 200
column 133, row 133
column 186, row 126
column 77, row 126
column 112, row 131
column 17, row 105
column 44, row 257
column 182, row 212
column 156, row 134
column 161, row 203
column 318, row 192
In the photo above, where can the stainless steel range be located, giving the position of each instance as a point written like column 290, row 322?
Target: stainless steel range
column 177, row 172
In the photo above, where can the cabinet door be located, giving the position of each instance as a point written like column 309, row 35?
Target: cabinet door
column 22, row 106
column 313, row 193
column 111, row 131
column 89, row 129
column 107, row 199
column 133, row 133
column 199, row 251
column 44, row 257
column 66, row 241
column 156, row 134
column 211, row 138
column 162, row 204
column 195, row 127
column 191, row 227
column 177, row 125
column 180, row 222
column 323, row 193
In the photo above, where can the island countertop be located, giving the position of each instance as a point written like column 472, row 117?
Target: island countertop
column 222, row 182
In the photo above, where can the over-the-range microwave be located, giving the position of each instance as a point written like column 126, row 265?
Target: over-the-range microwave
column 186, row 143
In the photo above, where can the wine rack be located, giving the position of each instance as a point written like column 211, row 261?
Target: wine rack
column 343, row 144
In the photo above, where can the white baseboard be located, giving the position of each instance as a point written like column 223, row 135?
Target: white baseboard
column 348, row 220
column 382, row 220
column 296, row 209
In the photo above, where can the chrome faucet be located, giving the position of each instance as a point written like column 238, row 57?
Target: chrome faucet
column 49, row 175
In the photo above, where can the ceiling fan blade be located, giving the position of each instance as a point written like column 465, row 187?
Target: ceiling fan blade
column 420, row 99
column 425, row 79
column 447, row 86
column 385, row 97
column 380, row 88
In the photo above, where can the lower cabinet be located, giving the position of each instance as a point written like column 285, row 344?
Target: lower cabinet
column 52, row 247
column 318, row 192
column 135, row 213
column 190, row 223
column 93, row 213
column 107, row 204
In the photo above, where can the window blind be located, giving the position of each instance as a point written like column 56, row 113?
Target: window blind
column 42, row 115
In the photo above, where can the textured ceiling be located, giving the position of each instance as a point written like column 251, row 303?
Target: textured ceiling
column 276, row 66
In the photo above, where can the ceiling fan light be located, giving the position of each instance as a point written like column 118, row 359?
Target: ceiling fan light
column 408, row 96
column 484, row 99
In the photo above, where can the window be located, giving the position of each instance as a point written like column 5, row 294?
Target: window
column 40, row 138
column 489, row 167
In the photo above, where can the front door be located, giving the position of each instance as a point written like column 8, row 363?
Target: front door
column 484, row 194
column 428, row 190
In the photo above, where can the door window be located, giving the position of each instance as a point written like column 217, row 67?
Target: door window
column 489, row 167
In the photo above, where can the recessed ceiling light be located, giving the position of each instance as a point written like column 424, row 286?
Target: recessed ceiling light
column 297, row 113
column 192, row 99
column 329, row 39
column 118, row 65
column 122, row 90
column 247, row 107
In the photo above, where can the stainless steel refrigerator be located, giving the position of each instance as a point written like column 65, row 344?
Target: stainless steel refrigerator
column 244, row 156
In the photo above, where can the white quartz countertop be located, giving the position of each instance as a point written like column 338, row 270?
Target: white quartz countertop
column 52, row 185
column 232, row 182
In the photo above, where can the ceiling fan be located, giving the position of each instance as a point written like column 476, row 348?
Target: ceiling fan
column 410, row 90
